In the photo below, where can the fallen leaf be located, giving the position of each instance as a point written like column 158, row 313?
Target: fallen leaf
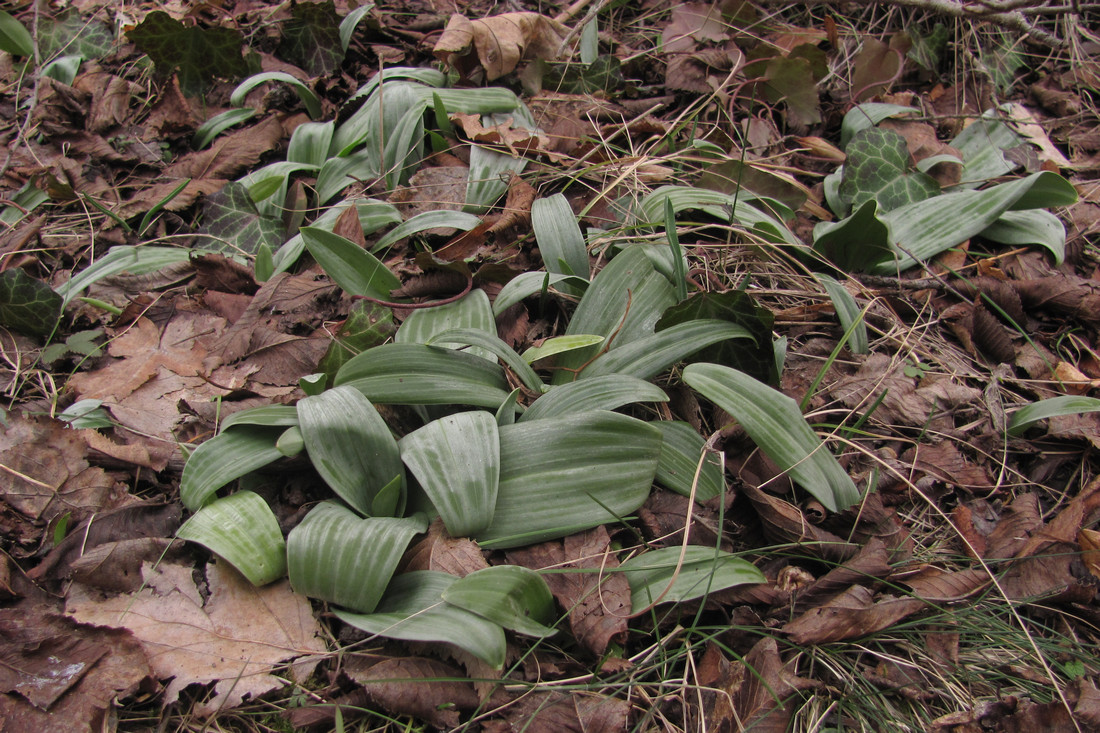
column 425, row 688
column 850, row 615
column 235, row 637
column 501, row 41
column 458, row 556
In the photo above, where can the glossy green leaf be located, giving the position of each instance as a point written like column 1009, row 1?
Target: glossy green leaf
column 878, row 168
column 456, row 460
column 559, row 237
column 775, row 423
column 608, row 392
column 658, row 576
column 650, row 355
column 1029, row 415
column 472, row 311
column 367, row 325
column 414, row 610
column 234, row 224
column 338, row 557
column 354, row 269
column 414, row 374
column 224, row 458
column 848, row 313
column 63, row 68
column 309, row 143
column 509, row 595
column 681, row 448
column 867, row 115
column 198, row 54
column 311, row 38
column 373, row 215
column 309, row 99
column 338, row 173
column 351, row 446
column 566, row 474
column 489, row 342
column 242, row 530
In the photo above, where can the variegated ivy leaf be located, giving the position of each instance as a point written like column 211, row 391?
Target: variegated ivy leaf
column 27, row 304
column 878, row 168
column 311, row 38
column 70, row 34
column 198, row 54
column 234, row 224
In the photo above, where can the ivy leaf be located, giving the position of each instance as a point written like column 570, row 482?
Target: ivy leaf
column 878, row 168
column 69, row 34
column 367, row 325
column 28, row 304
column 311, row 38
column 198, row 54
column 234, row 224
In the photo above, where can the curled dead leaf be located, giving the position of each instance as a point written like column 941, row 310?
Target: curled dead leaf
column 500, row 41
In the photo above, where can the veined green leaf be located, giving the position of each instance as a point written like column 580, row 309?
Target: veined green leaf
column 1028, row 228
column 527, row 284
column 404, row 148
column 654, row 578
column 339, row 172
column 471, row 311
column 775, row 424
column 723, row 206
column 608, row 392
column 559, row 237
column 354, row 269
column 563, row 475
column 373, row 215
column 1029, row 415
column 490, row 342
column 648, row 356
column 560, row 345
column 243, row 531
column 428, row 220
column 351, row 446
column 309, row 98
column 309, row 143
column 506, row 413
column 509, row 595
column 681, row 448
column 225, row 457
column 414, row 374
column 341, row 558
column 848, row 312
column 869, row 114
column 414, row 610
column 456, row 460
column 275, row 416
column 487, row 181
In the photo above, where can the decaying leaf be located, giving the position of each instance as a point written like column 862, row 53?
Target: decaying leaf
column 500, row 41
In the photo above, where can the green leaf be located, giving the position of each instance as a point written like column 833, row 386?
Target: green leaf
column 309, row 98
column 878, row 168
column 354, row 269
column 775, row 423
column 456, row 459
column 349, row 23
column 198, row 54
column 472, row 311
column 136, row 260
column 68, row 33
column 559, row 237
column 1029, row 415
column 514, row 597
column 234, row 225
column 367, row 325
column 272, row 416
column 86, row 414
column 791, row 80
column 856, row 253
column 414, row 374
column 648, row 356
column 311, row 38
column 559, row 345
column 63, row 69
column 414, row 610
column 867, row 115
column 351, row 447
column 489, row 342
column 983, row 144
column 425, row 221
column 488, row 180
column 310, row 141
column 608, row 392
column 604, row 74
column 224, row 458
column 218, row 124
column 242, row 530
column 658, row 576
column 848, row 312
column 373, row 215
column 1029, row 228
column 291, row 443
column 14, row 37
column 737, row 207
column 339, row 557
column 681, row 448
column 567, row 474
column 27, row 304
column 527, row 284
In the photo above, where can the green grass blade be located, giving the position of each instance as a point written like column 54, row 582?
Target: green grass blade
column 848, row 312
column 310, row 99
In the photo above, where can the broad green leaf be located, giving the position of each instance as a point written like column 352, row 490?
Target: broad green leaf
column 724, row 207
column 560, row 345
column 851, row 253
column 373, row 215
column 367, row 325
column 648, row 356
column 242, row 530
column 658, row 576
column 681, row 448
column 350, row 21
column 414, row 374
column 224, row 458
column 472, row 311
column 1028, row 228
column 309, row 99
column 404, row 148
column 848, row 312
column 428, row 220
column 218, row 124
column 233, row 224
column 878, row 168
column 566, row 474
column 624, row 301
column 608, row 392
column 527, row 284
column 1029, row 415
column 136, row 260
column 310, row 38
column 867, row 115
column 351, row 446
column 338, row 173
column 775, row 424
column 354, row 269
column 63, row 69
column 559, row 237
column 489, row 342
column 25, row 200
column 198, row 54
column 14, row 37
column 456, row 460
column 309, row 143
column 488, row 179
column 274, row 416
column 291, row 443
column 86, row 414
column 338, row 557
column 29, row 305
column 70, row 33
column 414, row 610
column 983, row 144
column 514, row 597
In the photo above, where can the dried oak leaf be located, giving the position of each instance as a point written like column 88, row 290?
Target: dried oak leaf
column 501, row 41
column 235, row 637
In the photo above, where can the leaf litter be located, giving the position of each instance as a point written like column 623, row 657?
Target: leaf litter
column 964, row 521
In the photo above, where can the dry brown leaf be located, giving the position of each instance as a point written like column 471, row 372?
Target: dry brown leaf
column 501, row 41
column 518, row 140
column 235, row 637
column 852, row 614
column 231, row 154
column 439, row 551
column 783, row 522
column 1089, row 540
column 417, row 686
